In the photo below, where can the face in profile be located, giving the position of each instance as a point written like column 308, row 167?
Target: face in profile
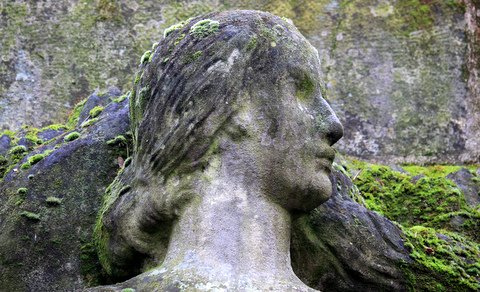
column 299, row 128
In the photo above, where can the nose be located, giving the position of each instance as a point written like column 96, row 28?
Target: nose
column 334, row 129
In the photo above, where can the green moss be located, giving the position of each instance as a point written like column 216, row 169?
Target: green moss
column 175, row 27
column 54, row 127
column 138, row 78
column 193, row 57
column 35, row 158
column 434, row 170
column 179, row 39
column 446, row 255
column 120, row 139
column 30, row 216
column 128, row 290
column 89, row 122
column 31, row 135
column 22, row 191
column 25, row 166
column 305, row 88
column 121, row 98
column 96, row 111
column 127, row 162
column 75, row 114
column 252, row 43
column 450, row 260
column 204, row 28
column 19, row 149
column 54, row 201
column 72, row 136
column 101, row 237
column 145, row 57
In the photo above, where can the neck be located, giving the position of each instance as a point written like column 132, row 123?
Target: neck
column 231, row 232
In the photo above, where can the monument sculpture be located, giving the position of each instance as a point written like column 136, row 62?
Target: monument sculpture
column 233, row 137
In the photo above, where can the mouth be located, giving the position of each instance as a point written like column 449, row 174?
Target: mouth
column 325, row 160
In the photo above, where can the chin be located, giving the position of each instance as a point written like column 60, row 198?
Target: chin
column 311, row 195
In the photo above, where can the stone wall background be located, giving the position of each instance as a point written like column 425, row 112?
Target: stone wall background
column 401, row 74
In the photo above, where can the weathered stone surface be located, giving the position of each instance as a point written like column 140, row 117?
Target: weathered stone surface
column 469, row 185
column 4, row 144
column 97, row 99
column 231, row 136
column 342, row 246
column 47, row 211
column 402, row 75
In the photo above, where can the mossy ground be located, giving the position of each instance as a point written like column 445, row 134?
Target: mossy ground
column 423, row 202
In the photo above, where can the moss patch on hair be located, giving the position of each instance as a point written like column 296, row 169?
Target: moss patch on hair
column 204, row 28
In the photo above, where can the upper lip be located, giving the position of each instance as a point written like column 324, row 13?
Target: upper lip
column 327, row 153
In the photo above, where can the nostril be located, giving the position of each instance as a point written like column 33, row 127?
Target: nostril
column 335, row 132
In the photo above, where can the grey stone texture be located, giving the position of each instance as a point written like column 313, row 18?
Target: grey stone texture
column 402, row 75
column 46, row 231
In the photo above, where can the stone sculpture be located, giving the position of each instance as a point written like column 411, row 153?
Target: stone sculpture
column 232, row 139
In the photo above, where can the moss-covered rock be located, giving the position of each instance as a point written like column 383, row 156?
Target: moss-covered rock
column 41, row 248
column 439, row 228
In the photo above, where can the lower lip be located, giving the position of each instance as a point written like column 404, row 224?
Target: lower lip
column 324, row 164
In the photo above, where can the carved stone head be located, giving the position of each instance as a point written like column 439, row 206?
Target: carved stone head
column 237, row 95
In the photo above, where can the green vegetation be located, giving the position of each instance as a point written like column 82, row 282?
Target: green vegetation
column 305, row 88
column 145, row 57
column 30, row 215
column 175, row 27
column 25, row 166
column 128, row 290
column 121, row 98
column 75, row 114
column 55, row 127
column 53, row 201
column 35, row 158
column 117, row 140
column 450, row 260
column 204, row 28
column 72, row 136
column 426, row 205
column 193, row 57
column 434, row 170
column 96, row 111
column 22, row 191
column 19, row 149
column 89, row 122
column 127, row 162
column 252, row 44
